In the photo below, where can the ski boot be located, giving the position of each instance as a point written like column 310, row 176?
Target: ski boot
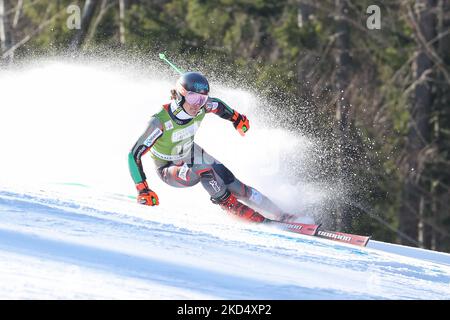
column 300, row 218
column 229, row 203
column 285, row 217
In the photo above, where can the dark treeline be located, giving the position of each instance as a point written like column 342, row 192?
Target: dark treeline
column 371, row 77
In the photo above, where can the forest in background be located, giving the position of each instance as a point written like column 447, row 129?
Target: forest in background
column 370, row 78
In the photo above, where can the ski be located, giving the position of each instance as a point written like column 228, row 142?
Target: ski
column 301, row 228
column 344, row 237
column 314, row 230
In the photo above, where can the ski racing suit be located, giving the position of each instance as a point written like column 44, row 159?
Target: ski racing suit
column 181, row 163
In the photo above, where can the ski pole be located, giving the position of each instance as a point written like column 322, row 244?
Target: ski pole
column 162, row 56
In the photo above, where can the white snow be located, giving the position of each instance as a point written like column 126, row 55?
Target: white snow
column 70, row 227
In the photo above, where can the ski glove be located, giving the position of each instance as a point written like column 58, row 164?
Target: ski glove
column 146, row 196
column 240, row 123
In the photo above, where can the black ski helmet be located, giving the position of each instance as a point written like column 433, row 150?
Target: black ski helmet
column 191, row 81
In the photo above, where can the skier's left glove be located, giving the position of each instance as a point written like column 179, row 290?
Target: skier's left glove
column 146, row 196
column 240, row 122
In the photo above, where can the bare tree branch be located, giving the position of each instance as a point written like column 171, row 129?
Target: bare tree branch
column 4, row 34
column 19, row 8
column 122, row 21
column 426, row 45
column 104, row 7
column 28, row 37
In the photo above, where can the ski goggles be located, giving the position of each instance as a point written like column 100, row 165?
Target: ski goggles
column 195, row 98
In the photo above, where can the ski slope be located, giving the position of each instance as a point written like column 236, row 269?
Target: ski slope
column 70, row 227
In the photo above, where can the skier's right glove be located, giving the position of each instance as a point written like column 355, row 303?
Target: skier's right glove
column 146, row 196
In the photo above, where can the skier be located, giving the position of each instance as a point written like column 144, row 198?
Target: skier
column 180, row 162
